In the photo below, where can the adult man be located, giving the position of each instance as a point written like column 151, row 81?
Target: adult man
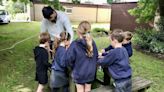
column 55, row 22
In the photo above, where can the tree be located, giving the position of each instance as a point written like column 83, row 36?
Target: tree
column 150, row 10
column 15, row 7
column 54, row 3
column 76, row 1
column 109, row 1
column 145, row 10
column 161, row 7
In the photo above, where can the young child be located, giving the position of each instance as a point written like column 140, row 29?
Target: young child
column 59, row 78
column 81, row 56
column 126, row 43
column 117, row 61
column 41, row 58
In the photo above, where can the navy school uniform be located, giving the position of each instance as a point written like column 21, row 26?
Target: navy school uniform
column 127, row 46
column 84, row 67
column 107, row 77
column 117, row 61
column 59, row 77
column 42, row 65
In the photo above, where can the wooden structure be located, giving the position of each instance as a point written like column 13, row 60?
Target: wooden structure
column 138, row 85
column 76, row 12
column 121, row 19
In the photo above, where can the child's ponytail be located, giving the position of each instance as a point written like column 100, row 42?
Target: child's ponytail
column 63, row 36
column 55, row 44
column 89, row 48
column 84, row 28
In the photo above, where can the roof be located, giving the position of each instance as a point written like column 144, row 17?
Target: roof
column 78, row 5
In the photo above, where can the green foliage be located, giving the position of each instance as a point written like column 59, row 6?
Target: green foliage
column 98, row 30
column 23, row 1
column 55, row 4
column 76, row 1
column 15, row 7
column 109, row 1
column 145, row 10
column 161, row 24
column 149, row 40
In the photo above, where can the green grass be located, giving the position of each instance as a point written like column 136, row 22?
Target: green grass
column 17, row 66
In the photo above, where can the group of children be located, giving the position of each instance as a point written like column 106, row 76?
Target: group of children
column 82, row 58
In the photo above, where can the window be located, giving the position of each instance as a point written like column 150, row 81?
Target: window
column 68, row 10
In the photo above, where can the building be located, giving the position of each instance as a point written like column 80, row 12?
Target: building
column 77, row 12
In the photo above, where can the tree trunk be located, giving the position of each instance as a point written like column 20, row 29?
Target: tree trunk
column 156, row 20
column 161, row 7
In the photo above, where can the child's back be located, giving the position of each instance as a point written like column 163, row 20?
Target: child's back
column 118, row 61
column 59, row 76
column 84, row 67
column 82, row 56
column 58, row 65
column 41, row 58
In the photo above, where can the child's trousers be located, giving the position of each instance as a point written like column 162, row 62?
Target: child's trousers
column 123, row 86
column 107, row 77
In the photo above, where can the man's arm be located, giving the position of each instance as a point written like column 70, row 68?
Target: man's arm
column 43, row 26
column 68, row 27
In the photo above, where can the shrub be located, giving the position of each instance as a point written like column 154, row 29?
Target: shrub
column 99, row 32
column 160, row 35
column 149, row 40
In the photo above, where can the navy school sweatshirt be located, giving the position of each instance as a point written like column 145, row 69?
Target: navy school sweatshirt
column 41, row 58
column 117, row 61
column 84, row 67
column 58, row 64
column 128, row 47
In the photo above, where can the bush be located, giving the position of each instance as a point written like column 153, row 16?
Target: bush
column 99, row 32
column 160, row 24
column 149, row 40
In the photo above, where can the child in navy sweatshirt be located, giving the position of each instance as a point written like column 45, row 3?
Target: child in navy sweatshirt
column 126, row 43
column 41, row 57
column 59, row 78
column 81, row 56
column 117, row 61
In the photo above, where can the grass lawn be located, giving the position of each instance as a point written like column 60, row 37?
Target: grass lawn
column 17, row 66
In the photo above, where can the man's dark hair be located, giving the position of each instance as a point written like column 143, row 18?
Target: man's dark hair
column 47, row 11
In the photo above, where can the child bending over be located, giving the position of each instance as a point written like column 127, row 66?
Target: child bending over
column 117, row 62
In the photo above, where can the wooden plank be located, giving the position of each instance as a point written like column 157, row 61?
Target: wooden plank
column 103, row 89
column 138, row 83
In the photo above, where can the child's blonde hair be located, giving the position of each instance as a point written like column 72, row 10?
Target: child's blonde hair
column 128, row 35
column 84, row 29
column 63, row 36
column 44, row 37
